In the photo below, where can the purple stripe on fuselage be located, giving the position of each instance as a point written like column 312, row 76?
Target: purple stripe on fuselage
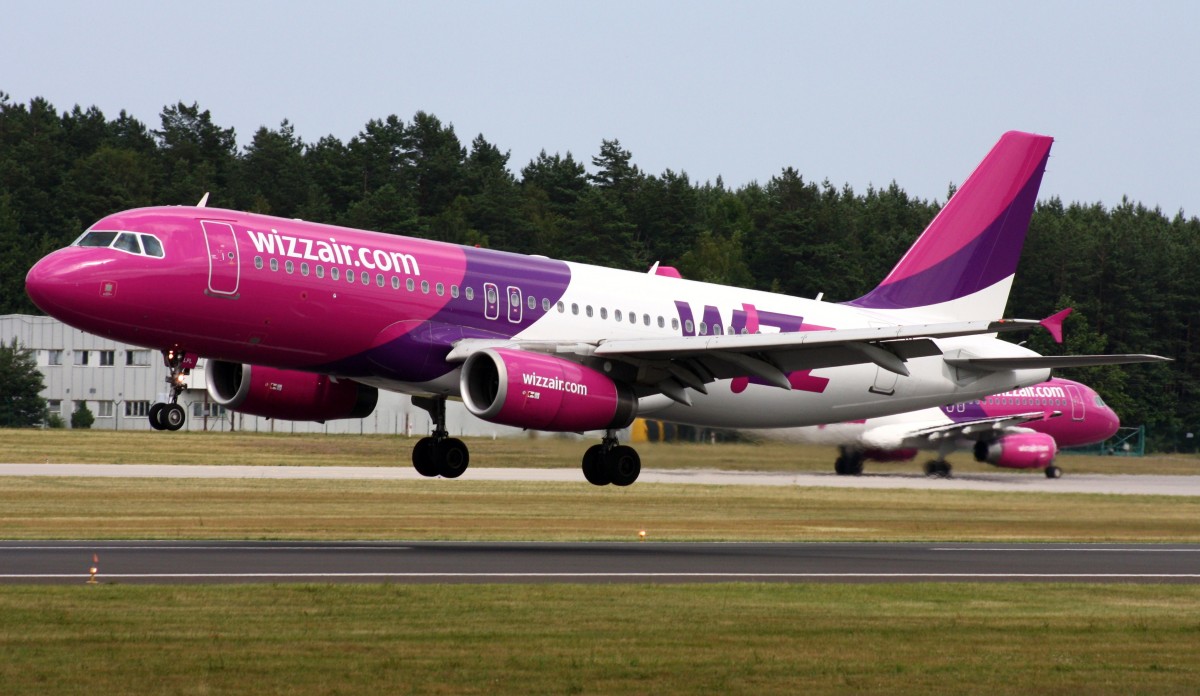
column 417, row 353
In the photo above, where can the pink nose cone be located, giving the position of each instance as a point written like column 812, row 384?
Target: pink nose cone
column 40, row 286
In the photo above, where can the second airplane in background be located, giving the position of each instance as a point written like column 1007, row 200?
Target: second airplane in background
column 1019, row 429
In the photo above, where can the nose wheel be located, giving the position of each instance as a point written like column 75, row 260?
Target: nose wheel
column 170, row 415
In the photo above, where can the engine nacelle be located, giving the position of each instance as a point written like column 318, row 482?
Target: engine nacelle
column 287, row 394
column 543, row 392
column 890, row 455
column 1018, row 451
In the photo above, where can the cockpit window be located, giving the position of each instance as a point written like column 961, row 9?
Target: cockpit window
column 96, row 239
column 153, row 246
column 1100, row 402
column 149, row 245
column 128, row 241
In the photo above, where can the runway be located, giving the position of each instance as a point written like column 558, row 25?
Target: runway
column 143, row 562
column 1106, row 484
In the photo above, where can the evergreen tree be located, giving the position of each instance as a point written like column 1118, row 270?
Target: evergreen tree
column 82, row 417
column 21, row 403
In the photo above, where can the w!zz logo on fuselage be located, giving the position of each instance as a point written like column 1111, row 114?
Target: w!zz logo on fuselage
column 749, row 319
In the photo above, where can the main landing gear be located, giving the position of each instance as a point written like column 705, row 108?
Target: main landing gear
column 439, row 454
column 850, row 463
column 170, row 415
column 1053, row 472
column 937, row 468
column 609, row 462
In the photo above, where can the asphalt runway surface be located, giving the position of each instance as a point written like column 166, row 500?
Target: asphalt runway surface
column 145, row 562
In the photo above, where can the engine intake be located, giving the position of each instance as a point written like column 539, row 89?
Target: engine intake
column 287, row 394
column 543, row 392
column 1018, row 451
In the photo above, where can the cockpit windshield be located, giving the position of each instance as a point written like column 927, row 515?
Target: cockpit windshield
column 131, row 242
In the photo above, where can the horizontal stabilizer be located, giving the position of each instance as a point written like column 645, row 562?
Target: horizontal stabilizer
column 1034, row 362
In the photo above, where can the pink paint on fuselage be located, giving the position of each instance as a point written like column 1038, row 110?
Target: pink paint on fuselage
column 306, row 322
column 1085, row 418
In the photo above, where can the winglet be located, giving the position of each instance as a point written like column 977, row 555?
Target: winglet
column 1054, row 322
column 203, row 201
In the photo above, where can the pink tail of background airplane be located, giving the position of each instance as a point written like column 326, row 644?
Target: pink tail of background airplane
column 301, row 320
column 1019, row 429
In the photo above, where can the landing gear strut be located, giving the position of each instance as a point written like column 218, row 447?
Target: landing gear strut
column 439, row 454
column 170, row 415
column 609, row 462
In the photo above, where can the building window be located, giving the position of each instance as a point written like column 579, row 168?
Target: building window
column 54, row 357
column 104, row 409
column 137, row 408
column 81, row 357
column 137, row 358
column 202, row 409
column 107, row 357
column 54, row 406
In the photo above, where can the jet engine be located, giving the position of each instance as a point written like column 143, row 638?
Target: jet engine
column 287, row 394
column 1018, row 451
column 543, row 392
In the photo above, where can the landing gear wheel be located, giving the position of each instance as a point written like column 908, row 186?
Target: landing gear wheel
column 156, row 416
column 452, row 457
column 854, row 466
column 623, row 465
column 593, row 466
column 1053, row 472
column 423, row 459
column 839, row 466
column 937, row 468
column 173, row 417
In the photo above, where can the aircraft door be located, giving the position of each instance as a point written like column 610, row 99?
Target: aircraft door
column 514, row 304
column 1077, row 405
column 491, row 301
column 223, row 267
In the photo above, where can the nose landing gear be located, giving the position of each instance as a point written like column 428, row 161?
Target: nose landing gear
column 170, row 415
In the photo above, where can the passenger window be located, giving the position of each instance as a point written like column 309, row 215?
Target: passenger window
column 379, row 279
column 333, row 272
column 396, row 283
column 274, row 264
column 588, row 309
column 574, row 309
column 304, row 269
column 349, row 276
column 425, row 287
column 532, row 302
column 289, row 267
column 258, row 262
column 545, row 304
column 440, row 289
column 617, row 314
column 410, row 285
column 320, row 271
column 604, row 312
column 633, row 317
column 470, row 293
column 661, row 323
column 454, row 291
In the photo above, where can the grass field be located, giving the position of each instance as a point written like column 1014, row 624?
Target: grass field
column 594, row 639
column 140, row 447
column 601, row 639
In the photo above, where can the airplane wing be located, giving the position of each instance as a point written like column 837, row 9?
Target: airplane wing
column 672, row 365
column 979, row 427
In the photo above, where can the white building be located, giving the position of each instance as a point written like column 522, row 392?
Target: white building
column 119, row 382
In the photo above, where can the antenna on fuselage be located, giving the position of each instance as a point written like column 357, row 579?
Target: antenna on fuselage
column 203, row 200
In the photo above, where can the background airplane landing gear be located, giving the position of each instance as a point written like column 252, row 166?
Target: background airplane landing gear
column 848, row 464
column 937, row 467
column 1053, row 472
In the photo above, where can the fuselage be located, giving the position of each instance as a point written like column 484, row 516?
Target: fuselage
column 386, row 310
column 1072, row 413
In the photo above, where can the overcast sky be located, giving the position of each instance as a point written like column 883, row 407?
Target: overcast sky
column 854, row 92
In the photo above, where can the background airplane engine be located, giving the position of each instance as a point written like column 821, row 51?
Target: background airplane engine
column 1018, row 451
column 287, row 394
column 543, row 392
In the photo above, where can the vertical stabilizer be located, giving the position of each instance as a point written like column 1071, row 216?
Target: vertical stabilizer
column 962, row 265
